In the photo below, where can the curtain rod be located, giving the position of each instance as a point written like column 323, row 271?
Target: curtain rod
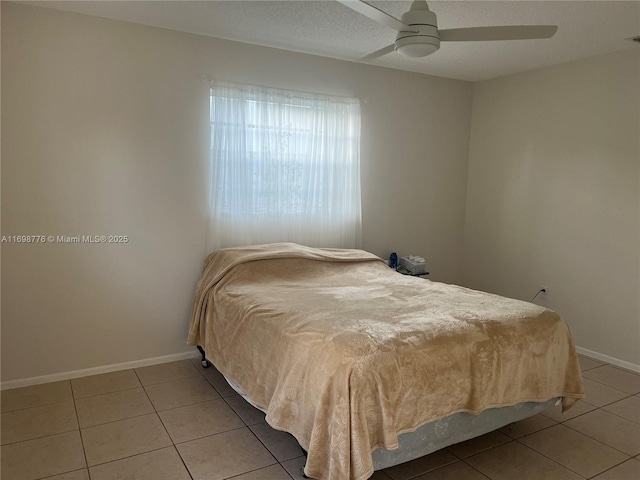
column 211, row 80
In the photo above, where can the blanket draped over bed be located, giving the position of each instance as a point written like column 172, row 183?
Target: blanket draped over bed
column 345, row 354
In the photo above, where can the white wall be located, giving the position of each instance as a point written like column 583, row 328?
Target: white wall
column 553, row 195
column 105, row 131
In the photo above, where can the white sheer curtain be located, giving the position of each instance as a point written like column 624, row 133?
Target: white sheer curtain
column 285, row 166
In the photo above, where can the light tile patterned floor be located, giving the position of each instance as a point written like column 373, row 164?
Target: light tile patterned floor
column 178, row 421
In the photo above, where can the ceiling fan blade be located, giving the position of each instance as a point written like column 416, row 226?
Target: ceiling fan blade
column 376, row 14
column 379, row 53
column 515, row 32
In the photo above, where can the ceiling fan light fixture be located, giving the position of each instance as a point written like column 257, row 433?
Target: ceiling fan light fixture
column 417, row 46
column 424, row 39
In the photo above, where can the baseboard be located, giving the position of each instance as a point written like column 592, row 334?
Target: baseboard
column 606, row 358
column 27, row 382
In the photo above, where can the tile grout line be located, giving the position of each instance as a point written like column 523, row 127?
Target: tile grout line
column 84, row 451
column 169, row 381
column 254, row 470
column 548, row 458
column 434, row 469
column 613, row 388
column 204, row 436
column 527, row 434
column 301, row 469
column 616, row 367
column 480, row 451
column 186, row 405
column 612, row 413
column 182, row 460
column 129, row 456
column 38, row 438
column 261, row 442
column 474, row 468
column 119, row 420
column 63, row 473
column 566, row 420
column 615, row 401
column 109, row 392
column 36, row 406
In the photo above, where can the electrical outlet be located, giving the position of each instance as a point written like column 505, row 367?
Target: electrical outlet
column 544, row 293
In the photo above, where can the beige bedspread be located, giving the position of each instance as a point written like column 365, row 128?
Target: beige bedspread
column 345, row 354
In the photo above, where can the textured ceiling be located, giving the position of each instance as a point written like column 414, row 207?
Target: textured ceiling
column 327, row 28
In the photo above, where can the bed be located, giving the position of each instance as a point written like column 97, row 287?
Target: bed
column 366, row 367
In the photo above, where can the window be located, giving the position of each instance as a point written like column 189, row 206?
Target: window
column 284, row 167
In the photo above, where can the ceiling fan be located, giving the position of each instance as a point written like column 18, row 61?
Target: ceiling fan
column 418, row 34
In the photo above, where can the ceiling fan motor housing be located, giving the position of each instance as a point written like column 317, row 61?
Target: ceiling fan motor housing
column 427, row 39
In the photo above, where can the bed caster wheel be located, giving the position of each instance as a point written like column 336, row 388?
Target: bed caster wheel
column 204, row 362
